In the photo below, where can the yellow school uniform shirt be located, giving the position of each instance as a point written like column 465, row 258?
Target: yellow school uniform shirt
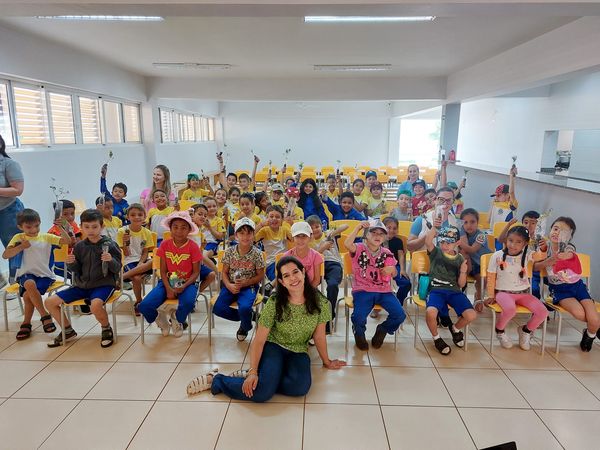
column 280, row 202
column 254, row 218
column 298, row 212
column 216, row 224
column 259, row 213
column 274, row 242
column 196, row 195
column 138, row 242
column 36, row 259
column 155, row 217
column 111, row 227
column 364, row 197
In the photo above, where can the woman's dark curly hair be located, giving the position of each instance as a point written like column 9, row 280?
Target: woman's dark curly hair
column 282, row 295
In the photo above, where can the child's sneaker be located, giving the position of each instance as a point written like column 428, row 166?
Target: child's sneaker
column 201, row 383
column 457, row 337
column 241, row 334
column 378, row 337
column 441, row 346
column 374, row 314
column 524, row 339
column 361, row 342
column 504, row 340
column 176, row 326
column 162, row 322
column 586, row 341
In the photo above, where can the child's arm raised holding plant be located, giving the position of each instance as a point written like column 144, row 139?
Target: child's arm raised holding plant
column 349, row 242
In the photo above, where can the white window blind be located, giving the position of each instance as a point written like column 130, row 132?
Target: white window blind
column 32, row 126
column 61, row 115
column 131, row 118
column 204, row 123
column 166, row 126
column 211, row 129
column 112, row 122
column 189, row 125
column 5, row 122
column 90, row 120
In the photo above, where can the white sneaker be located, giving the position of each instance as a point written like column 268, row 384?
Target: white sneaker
column 374, row 314
column 504, row 340
column 524, row 339
column 201, row 383
column 176, row 327
column 162, row 321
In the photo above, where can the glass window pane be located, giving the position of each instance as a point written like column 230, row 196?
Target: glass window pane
column 131, row 115
column 166, row 125
column 5, row 122
column 31, row 116
column 90, row 120
column 112, row 122
column 61, row 110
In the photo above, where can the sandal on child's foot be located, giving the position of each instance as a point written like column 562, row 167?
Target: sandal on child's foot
column 586, row 341
column 106, row 340
column 457, row 337
column 441, row 346
column 201, row 383
column 48, row 327
column 241, row 334
column 57, row 342
column 24, row 331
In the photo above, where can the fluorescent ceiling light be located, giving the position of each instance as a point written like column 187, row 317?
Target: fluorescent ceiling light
column 353, row 67
column 358, row 19
column 107, row 18
column 189, row 65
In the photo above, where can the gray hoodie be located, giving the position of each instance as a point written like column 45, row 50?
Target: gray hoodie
column 87, row 268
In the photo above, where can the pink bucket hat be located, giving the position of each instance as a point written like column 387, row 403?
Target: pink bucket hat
column 182, row 215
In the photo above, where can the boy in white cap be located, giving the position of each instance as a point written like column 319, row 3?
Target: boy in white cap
column 243, row 270
column 180, row 259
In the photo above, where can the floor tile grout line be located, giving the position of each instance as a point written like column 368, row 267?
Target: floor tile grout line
column 379, row 402
column 222, row 424
column 35, row 375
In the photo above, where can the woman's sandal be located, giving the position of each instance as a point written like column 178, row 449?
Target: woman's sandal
column 201, row 383
column 48, row 327
column 24, row 331
column 107, row 337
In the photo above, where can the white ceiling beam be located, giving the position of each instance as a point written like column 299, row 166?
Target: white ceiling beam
column 289, row 89
column 557, row 55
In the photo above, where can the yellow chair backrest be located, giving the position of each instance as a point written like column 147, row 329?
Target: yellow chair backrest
column 239, row 172
column 155, row 238
column 491, row 241
column 261, row 177
column 484, row 220
column 184, row 205
column 220, row 254
column 166, row 235
column 309, row 169
column 290, row 170
column 404, row 227
column 419, row 262
column 60, row 253
column 305, row 175
column 352, row 224
column 347, row 260
column 585, row 261
column 498, row 228
column 348, row 169
column 156, row 263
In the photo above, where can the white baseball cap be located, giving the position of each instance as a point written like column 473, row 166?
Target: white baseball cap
column 244, row 221
column 301, row 228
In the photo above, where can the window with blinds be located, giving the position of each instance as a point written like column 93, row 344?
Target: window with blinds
column 61, row 118
column 90, row 120
column 131, row 121
column 5, row 122
column 166, row 126
column 204, row 125
column 112, row 122
column 30, row 108
column 211, row 129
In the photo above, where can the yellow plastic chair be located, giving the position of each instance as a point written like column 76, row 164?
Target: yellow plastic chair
column 497, row 309
column 261, row 177
column 484, row 220
column 390, row 205
column 185, row 205
column 60, row 255
column 491, row 242
column 306, row 175
column 352, row 224
column 585, row 261
column 327, row 170
column 419, row 265
column 169, row 301
column 498, row 228
column 211, row 320
column 349, row 300
column 239, row 172
column 404, row 227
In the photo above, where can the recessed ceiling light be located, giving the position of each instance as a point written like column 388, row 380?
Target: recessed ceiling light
column 353, row 67
column 356, row 19
column 189, row 65
column 107, row 18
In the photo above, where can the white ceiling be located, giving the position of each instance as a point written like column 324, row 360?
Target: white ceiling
column 280, row 47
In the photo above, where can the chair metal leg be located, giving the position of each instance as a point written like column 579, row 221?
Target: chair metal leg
column 396, row 340
column 347, row 326
column 142, row 322
column 114, row 318
column 210, row 319
column 492, row 332
column 544, row 338
column 190, row 327
column 557, row 349
column 416, row 323
column 20, row 303
column 5, row 307
column 62, row 323
column 465, row 348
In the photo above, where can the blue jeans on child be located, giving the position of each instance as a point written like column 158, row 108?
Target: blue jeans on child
column 333, row 278
column 280, row 371
column 364, row 303
column 404, row 286
column 245, row 300
column 157, row 296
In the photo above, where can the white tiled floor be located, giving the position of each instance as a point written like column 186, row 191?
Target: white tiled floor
column 133, row 395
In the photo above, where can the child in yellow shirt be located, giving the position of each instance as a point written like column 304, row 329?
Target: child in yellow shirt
column 156, row 215
column 111, row 223
column 275, row 236
column 195, row 190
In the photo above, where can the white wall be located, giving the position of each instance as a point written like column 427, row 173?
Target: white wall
column 491, row 130
column 319, row 133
